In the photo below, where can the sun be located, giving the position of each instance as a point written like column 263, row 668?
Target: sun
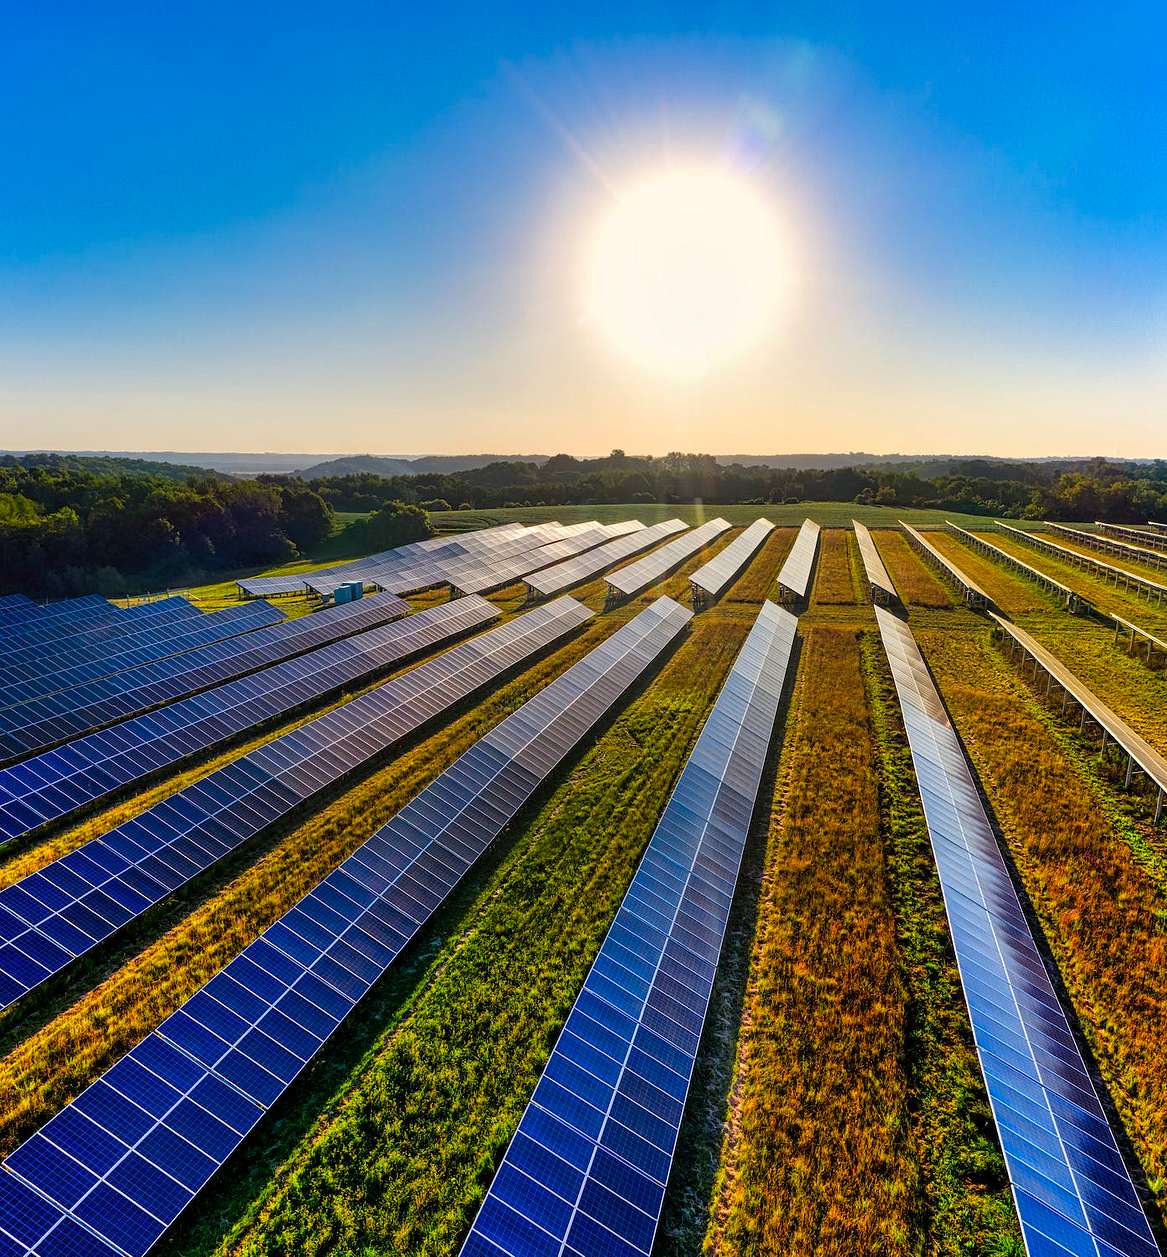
column 685, row 271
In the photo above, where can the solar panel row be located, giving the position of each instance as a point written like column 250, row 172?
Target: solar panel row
column 271, row 586
column 15, row 607
column 1072, row 1189
column 160, row 642
column 883, row 592
column 59, row 620
column 572, row 572
column 1137, row 536
column 424, row 568
column 128, row 1155
column 1108, row 571
column 141, row 621
column 113, row 698
column 1114, row 728
column 795, row 577
column 712, row 579
column 45, row 720
column 585, row 1173
column 637, row 577
column 54, row 784
column 1120, row 548
column 1063, row 594
column 58, row 913
column 481, row 576
column 972, row 593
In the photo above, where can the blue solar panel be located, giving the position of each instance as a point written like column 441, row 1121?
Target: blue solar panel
column 1072, row 1190
column 32, row 677
column 71, row 905
column 58, row 621
column 132, row 1150
column 35, row 726
column 587, row 1168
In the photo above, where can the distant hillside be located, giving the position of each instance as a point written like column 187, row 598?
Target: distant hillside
column 109, row 465
column 433, row 464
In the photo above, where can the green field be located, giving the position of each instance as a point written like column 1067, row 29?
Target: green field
column 837, row 1105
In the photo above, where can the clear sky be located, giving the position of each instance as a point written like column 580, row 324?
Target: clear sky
column 361, row 227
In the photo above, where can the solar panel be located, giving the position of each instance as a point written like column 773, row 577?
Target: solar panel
column 973, row 594
column 637, row 577
column 1072, row 1189
column 712, row 579
column 572, row 572
column 56, row 783
column 15, row 606
column 131, row 1151
column 795, row 577
column 1063, row 594
column 586, row 1170
column 883, row 592
column 1122, row 549
column 132, row 649
column 1108, row 571
column 60, row 912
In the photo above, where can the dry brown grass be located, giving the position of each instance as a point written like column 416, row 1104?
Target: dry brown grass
column 916, row 582
column 834, row 582
column 820, row 1158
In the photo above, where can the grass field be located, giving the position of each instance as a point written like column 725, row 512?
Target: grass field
column 837, row 1105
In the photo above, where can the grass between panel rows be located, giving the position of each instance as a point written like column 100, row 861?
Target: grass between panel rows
column 914, row 580
column 400, row 1156
column 819, row 1154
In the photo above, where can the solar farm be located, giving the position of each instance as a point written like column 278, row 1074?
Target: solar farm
column 596, row 890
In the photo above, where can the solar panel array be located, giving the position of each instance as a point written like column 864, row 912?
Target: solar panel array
column 478, row 576
column 35, row 726
column 425, row 565
column 1114, row 728
column 59, row 620
column 712, row 579
column 1072, row 1189
column 585, row 1173
column 973, row 594
column 883, row 591
column 82, row 664
column 1138, row 536
column 1108, row 571
column 1123, row 549
column 129, row 1153
column 60, row 912
column 1067, row 597
column 54, row 784
column 572, row 572
column 145, row 619
column 637, row 577
column 795, row 577
column 14, row 607
column 42, row 722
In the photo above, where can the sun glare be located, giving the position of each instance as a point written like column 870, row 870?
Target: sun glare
column 685, row 271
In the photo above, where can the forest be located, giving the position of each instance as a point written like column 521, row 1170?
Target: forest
column 66, row 530
column 1072, row 490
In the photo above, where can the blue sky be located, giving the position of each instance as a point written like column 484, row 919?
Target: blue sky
column 357, row 227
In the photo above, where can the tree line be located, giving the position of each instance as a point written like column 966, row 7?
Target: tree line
column 71, row 525
column 1068, row 490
